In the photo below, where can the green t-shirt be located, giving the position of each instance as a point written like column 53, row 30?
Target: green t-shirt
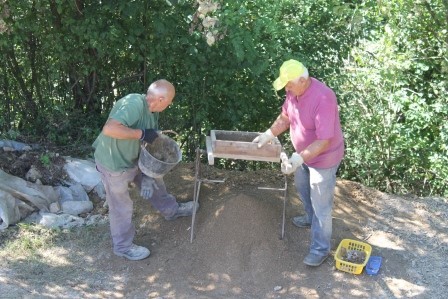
column 120, row 154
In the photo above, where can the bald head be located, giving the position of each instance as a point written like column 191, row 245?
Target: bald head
column 160, row 95
column 161, row 87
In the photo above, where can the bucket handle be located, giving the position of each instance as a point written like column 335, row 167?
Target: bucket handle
column 170, row 131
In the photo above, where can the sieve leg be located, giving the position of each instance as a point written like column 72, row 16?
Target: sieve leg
column 197, row 186
column 284, row 207
column 285, row 191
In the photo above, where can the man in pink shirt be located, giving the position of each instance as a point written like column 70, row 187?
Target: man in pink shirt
column 310, row 112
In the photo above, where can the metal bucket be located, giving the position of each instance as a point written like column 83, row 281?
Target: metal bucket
column 159, row 157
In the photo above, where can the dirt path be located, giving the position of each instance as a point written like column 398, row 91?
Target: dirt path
column 237, row 252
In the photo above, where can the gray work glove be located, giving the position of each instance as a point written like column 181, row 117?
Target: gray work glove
column 148, row 186
column 290, row 166
column 264, row 138
column 149, row 135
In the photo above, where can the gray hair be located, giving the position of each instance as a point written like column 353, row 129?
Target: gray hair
column 305, row 74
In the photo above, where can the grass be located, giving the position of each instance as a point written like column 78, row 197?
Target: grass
column 29, row 240
column 26, row 239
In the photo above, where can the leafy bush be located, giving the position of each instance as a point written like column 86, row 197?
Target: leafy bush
column 394, row 102
column 67, row 62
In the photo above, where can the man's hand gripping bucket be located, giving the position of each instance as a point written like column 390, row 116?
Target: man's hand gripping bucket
column 158, row 158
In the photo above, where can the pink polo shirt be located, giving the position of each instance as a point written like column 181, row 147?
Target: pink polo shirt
column 315, row 116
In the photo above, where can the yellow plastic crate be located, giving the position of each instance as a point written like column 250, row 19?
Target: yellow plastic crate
column 353, row 246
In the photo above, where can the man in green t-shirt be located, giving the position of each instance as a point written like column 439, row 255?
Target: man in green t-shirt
column 133, row 119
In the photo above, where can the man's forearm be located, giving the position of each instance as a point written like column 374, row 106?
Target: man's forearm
column 117, row 130
column 314, row 149
column 280, row 125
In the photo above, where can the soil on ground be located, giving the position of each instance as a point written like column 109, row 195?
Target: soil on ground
column 237, row 250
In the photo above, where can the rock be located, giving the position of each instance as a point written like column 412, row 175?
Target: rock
column 55, row 208
column 99, row 189
column 33, row 174
column 10, row 145
column 76, row 207
column 95, row 219
column 72, row 193
column 78, row 193
column 65, row 194
column 63, row 220
column 55, row 221
column 83, row 172
column 39, row 196
column 9, row 210
column 48, row 191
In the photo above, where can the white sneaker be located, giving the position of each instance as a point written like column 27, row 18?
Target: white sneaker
column 135, row 253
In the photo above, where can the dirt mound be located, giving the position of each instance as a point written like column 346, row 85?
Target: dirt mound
column 48, row 165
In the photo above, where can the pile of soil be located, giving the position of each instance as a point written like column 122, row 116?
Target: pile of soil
column 50, row 165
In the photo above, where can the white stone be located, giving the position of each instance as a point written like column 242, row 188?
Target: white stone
column 76, row 207
column 83, row 172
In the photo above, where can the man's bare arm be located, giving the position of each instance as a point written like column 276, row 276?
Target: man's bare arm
column 280, row 125
column 314, row 149
column 113, row 128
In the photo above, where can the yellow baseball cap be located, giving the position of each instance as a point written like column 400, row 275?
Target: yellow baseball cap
column 290, row 70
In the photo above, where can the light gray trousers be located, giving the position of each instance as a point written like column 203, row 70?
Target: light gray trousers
column 121, row 205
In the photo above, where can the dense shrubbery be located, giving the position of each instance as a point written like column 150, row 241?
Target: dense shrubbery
column 66, row 62
column 393, row 89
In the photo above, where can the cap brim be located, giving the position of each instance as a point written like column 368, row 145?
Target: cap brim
column 279, row 84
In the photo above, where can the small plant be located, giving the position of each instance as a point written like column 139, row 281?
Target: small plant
column 12, row 134
column 45, row 160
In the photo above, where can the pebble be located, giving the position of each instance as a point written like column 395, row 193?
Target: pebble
column 277, row 288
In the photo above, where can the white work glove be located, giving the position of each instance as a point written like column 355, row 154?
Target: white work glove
column 290, row 166
column 264, row 138
column 148, row 186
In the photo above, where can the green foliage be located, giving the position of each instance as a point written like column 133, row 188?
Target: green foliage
column 45, row 160
column 395, row 104
column 11, row 134
column 67, row 62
